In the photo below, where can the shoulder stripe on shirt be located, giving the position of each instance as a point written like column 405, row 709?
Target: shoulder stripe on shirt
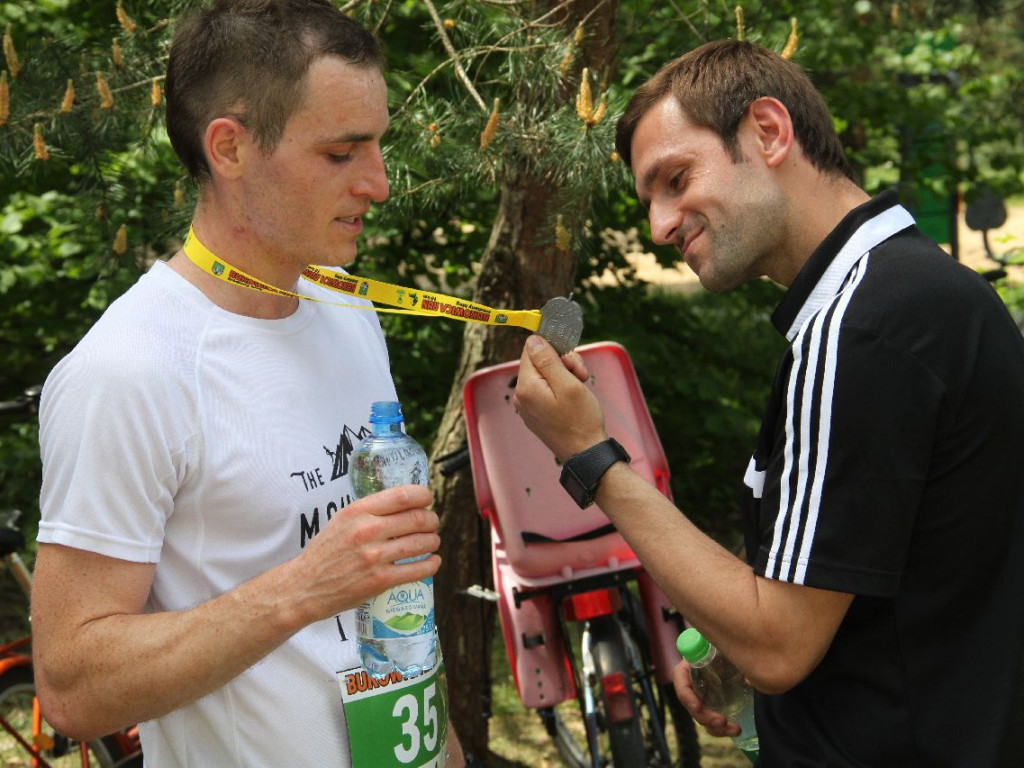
column 808, row 429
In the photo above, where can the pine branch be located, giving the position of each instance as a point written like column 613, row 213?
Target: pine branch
column 446, row 41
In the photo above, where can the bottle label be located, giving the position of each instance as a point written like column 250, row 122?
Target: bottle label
column 377, row 465
column 403, row 611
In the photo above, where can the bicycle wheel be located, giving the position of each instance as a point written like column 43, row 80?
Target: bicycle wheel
column 661, row 711
column 561, row 733
column 17, row 693
column 614, row 684
column 684, row 730
column 659, row 732
column 680, row 732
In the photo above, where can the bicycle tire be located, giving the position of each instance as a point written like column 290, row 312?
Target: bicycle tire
column 17, row 692
column 625, row 738
column 685, row 736
column 672, row 719
column 565, row 744
column 679, row 728
column 687, row 741
column 656, row 708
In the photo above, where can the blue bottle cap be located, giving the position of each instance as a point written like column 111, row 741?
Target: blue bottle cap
column 386, row 412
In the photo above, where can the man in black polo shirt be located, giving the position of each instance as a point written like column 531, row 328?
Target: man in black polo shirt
column 881, row 616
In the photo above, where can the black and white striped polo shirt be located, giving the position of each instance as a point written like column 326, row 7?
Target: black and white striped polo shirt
column 890, row 465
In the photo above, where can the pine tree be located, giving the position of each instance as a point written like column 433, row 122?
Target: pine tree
column 517, row 113
column 84, row 155
column 503, row 123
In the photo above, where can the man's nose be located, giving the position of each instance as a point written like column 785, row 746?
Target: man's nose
column 373, row 182
column 665, row 221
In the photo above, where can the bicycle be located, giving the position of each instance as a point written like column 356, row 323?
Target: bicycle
column 581, row 619
column 30, row 741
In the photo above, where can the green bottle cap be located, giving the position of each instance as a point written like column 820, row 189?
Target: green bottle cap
column 692, row 645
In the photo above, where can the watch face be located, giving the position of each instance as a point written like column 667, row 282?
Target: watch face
column 574, row 487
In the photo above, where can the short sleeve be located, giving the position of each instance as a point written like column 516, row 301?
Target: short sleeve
column 115, row 440
column 849, row 464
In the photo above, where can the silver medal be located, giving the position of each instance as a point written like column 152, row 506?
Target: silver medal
column 561, row 323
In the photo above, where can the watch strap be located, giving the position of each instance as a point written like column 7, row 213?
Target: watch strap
column 582, row 472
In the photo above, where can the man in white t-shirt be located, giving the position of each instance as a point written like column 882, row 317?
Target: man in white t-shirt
column 200, row 552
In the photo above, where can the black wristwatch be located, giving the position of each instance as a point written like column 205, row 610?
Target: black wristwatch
column 582, row 472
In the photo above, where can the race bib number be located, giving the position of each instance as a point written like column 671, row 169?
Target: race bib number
column 396, row 722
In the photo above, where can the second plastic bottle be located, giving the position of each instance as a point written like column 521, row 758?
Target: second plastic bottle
column 721, row 687
column 395, row 630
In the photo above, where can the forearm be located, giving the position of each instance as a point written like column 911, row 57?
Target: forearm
column 774, row 636
column 713, row 588
column 103, row 662
column 775, row 632
column 125, row 668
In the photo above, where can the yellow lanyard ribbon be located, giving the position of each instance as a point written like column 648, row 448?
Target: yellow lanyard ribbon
column 410, row 301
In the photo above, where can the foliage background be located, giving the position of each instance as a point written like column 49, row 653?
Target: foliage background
column 704, row 361
column 925, row 93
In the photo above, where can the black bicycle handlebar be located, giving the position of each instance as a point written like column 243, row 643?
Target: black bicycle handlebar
column 452, row 462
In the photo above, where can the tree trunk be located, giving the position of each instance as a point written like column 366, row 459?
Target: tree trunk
column 521, row 268
column 509, row 278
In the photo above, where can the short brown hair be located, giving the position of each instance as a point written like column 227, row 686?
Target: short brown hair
column 715, row 85
column 247, row 59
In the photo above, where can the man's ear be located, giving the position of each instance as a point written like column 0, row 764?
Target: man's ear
column 227, row 145
column 773, row 129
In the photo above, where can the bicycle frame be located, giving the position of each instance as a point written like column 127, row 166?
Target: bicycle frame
column 12, row 655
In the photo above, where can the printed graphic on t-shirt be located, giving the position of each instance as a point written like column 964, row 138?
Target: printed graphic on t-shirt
column 336, row 466
column 341, row 455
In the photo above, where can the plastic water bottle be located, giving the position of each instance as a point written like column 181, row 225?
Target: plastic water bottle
column 721, row 687
column 395, row 630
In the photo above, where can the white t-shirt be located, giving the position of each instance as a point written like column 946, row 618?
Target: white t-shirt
column 216, row 445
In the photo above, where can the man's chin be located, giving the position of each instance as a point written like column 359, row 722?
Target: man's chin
column 718, row 283
column 713, row 280
column 339, row 258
